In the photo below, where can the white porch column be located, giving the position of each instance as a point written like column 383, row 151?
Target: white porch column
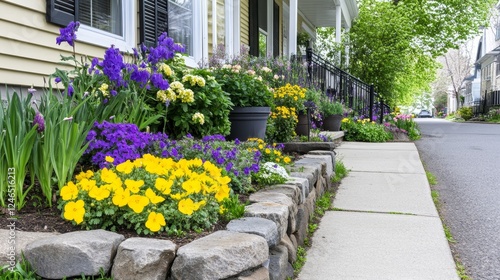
column 338, row 23
column 347, row 50
column 292, row 35
column 236, row 27
column 338, row 30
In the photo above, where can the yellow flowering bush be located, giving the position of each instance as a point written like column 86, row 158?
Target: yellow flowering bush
column 149, row 195
column 289, row 102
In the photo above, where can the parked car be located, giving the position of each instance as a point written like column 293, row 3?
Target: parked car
column 425, row 114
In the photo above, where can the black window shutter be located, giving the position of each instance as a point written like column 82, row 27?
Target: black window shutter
column 276, row 30
column 253, row 26
column 61, row 12
column 154, row 20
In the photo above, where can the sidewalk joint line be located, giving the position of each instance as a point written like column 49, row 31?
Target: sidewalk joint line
column 380, row 212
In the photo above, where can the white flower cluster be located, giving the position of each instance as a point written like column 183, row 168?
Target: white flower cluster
column 274, row 168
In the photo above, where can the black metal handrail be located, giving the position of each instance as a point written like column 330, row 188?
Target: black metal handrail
column 489, row 100
column 343, row 87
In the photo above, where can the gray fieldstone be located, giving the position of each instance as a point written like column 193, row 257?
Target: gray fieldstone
column 279, row 267
column 315, row 163
column 327, row 160
column 73, row 254
column 261, row 273
column 259, row 226
column 265, row 196
column 302, row 224
column 309, row 173
column 302, row 184
column 292, row 250
column 305, row 147
column 275, row 212
column 220, row 255
column 14, row 242
column 143, row 258
column 290, row 190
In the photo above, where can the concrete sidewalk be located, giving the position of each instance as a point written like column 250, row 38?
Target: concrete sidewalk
column 385, row 225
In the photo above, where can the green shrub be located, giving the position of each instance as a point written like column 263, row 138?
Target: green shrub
column 364, row 131
column 465, row 113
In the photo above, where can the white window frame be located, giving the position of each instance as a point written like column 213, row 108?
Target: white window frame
column 105, row 39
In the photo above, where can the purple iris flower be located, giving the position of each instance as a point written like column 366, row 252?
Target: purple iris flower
column 68, row 33
column 71, row 90
column 113, row 64
column 38, row 119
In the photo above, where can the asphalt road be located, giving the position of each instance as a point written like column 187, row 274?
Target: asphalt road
column 465, row 158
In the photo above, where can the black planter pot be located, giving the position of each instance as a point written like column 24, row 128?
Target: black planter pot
column 302, row 128
column 332, row 123
column 248, row 122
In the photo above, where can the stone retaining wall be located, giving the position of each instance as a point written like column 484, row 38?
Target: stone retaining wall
column 261, row 245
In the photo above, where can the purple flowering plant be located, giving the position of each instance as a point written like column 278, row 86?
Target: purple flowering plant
column 125, row 142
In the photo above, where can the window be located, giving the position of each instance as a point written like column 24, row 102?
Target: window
column 101, row 21
column 104, row 15
column 180, row 23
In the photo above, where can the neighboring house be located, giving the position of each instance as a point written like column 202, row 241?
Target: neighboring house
column 488, row 58
column 28, row 52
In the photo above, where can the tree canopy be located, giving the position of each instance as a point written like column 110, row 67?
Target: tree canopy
column 393, row 44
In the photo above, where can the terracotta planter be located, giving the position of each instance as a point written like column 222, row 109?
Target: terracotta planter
column 332, row 123
column 248, row 122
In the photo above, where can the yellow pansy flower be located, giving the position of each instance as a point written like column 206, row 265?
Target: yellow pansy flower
column 176, row 196
column 121, row 197
column 192, row 186
column 222, row 193
column 163, row 185
column 74, row 211
column 186, row 206
column 84, row 175
column 108, row 175
column 99, row 193
column 133, row 185
column 86, row 184
column 109, row 159
column 125, row 167
column 155, row 221
column 69, row 192
column 153, row 197
column 137, row 203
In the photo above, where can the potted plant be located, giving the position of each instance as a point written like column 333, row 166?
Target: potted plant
column 309, row 117
column 332, row 112
column 252, row 101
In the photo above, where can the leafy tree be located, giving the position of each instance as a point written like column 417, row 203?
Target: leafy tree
column 393, row 44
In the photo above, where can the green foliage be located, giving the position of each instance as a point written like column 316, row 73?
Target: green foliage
column 245, row 89
column 393, row 43
column 18, row 140
column 465, row 113
column 329, row 107
column 233, row 208
column 301, row 260
column 340, row 171
column 206, row 114
column 21, row 271
column 431, row 178
column 364, row 131
column 493, row 115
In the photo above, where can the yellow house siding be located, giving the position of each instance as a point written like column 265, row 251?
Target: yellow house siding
column 244, row 27
column 29, row 51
